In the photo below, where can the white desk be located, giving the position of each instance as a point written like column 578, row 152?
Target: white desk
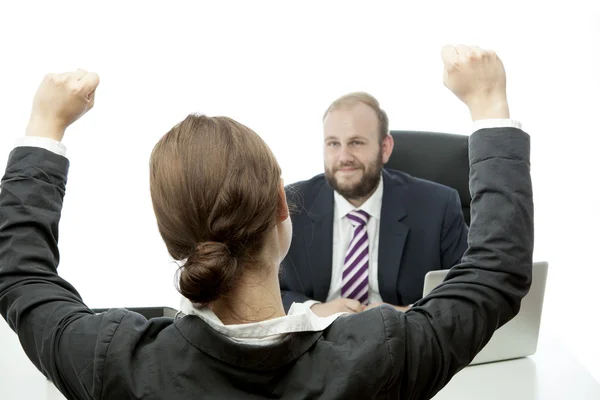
column 551, row 373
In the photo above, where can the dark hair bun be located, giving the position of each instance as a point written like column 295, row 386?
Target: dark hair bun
column 209, row 273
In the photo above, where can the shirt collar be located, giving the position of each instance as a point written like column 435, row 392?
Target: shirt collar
column 300, row 318
column 372, row 206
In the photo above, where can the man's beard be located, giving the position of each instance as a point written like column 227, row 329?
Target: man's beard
column 360, row 190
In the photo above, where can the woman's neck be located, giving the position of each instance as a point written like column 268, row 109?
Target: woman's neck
column 256, row 298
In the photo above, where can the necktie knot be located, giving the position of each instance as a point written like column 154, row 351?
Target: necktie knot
column 358, row 217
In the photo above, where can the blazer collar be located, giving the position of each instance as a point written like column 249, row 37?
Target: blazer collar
column 200, row 335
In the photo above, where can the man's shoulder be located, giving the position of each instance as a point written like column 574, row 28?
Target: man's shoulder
column 314, row 183
column 304, row 192
column 412, row 184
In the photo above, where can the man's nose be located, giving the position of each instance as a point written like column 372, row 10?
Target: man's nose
column 345, row 155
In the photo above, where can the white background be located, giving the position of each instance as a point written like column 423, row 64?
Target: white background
column 275, row 67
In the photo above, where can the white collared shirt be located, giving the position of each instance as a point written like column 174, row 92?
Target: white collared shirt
column 342, row 234
column 300, row 318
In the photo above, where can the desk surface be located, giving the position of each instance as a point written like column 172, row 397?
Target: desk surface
column 551, row 373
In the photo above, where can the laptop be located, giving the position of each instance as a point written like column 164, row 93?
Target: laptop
column 518, row 337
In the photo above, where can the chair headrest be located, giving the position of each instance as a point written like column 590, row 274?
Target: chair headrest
column 437, row 157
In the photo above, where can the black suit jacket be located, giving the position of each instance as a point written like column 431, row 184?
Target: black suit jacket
column 422, row 229
column 377, row 354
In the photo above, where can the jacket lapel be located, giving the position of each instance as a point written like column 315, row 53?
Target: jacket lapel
column 319, row 242
column 392, row 238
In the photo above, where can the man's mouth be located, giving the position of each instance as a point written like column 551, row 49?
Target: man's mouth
column 347, row 169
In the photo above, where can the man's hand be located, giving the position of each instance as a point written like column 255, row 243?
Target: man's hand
column 477, row 77
column 60, row 100
column 377, row 304
column 336, row 306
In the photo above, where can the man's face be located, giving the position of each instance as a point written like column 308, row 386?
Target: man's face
column 353, row 151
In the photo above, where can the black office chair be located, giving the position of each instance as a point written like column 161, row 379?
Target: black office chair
column 437, row 157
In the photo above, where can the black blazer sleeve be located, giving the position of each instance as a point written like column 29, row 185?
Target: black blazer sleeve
column 444, row 331
column 45, row 311
column 453, row 243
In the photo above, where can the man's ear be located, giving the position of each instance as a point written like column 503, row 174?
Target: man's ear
column 387, row 146
column 283, row 210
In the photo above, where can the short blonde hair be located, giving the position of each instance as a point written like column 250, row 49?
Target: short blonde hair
column 351, row 99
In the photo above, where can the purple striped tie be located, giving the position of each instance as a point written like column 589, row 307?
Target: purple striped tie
column 355, row 276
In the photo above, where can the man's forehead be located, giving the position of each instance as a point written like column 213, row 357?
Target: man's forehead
column 360, row 121
column 351, row 111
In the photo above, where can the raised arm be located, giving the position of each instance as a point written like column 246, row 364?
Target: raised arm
column 43, row 309
column 444, row 331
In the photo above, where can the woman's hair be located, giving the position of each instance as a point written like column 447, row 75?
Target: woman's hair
column 215, row 191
